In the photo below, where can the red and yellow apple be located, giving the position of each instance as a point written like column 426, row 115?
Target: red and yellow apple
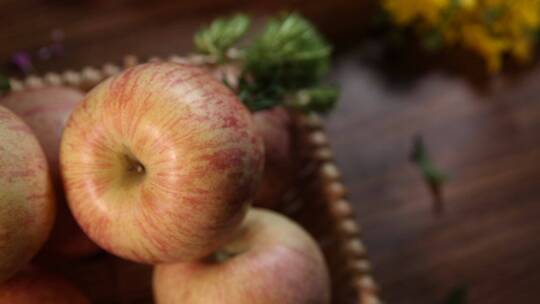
column 27, row 206
column 270, row 260
column 32, row 286
column 46, row 111
column 159, row 163
column 275, row 127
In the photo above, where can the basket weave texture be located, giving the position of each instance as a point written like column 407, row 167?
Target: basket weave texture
column 317, row 200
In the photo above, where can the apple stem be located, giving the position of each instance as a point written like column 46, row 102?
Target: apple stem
column 135, row 165
column 139, row 168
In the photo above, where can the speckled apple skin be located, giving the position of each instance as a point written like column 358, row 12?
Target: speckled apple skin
column 201, row 155
column 32, row 286
column 46, row 111
column 27, row 205
column 275, row 126
column 276, row 262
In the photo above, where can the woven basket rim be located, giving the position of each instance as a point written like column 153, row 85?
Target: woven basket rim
column 340, row 209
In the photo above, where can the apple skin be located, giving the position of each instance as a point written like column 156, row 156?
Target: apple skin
column 160, row 162
column 46, row 111
column 271, row 260
column 275, row 127
column 27, row 206
column 32, row 286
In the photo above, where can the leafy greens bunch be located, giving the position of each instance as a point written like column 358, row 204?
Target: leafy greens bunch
column 282, row 65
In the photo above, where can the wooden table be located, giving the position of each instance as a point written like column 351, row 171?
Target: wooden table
column 487, row 138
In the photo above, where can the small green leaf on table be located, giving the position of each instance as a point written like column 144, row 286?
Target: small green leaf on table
column 433, row 176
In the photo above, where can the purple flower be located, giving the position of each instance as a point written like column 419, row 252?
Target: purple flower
column 22, row 61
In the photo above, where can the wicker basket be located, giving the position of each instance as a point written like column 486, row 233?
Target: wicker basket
column 317, row 201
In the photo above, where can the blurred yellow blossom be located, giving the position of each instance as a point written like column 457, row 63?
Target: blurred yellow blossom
column 476, row 38
column 491, row 28
column 468, row 4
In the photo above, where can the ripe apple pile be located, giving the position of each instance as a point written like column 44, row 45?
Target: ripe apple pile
column 157, row 165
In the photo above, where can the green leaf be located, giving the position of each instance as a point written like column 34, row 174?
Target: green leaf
column 289, row 58
column 4, row 84
column 217, row 38
column 420, row 156
column 317, row 99
column 259, row 96
column 290, row 52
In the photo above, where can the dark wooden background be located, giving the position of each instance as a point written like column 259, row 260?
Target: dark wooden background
column 484, row 131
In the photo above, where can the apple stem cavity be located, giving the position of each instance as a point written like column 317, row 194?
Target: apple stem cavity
column 134, row 169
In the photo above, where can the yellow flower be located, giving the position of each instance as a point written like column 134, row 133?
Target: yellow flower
column 475, row 37
column 491, row 28
column 525, row 12
column 406, row 11
column 522, row 49
column 468, row 4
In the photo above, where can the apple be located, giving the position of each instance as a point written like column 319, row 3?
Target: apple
column 160, row 162
column 270, row 260
column 275, row 127
column 46, row 111
column 27, row 206
column 32, row 286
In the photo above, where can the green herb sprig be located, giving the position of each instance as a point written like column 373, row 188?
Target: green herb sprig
column 283, row 65
column 290, row 51
column 217, row 38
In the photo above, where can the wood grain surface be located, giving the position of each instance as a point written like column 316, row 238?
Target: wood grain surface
column 485, row 134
